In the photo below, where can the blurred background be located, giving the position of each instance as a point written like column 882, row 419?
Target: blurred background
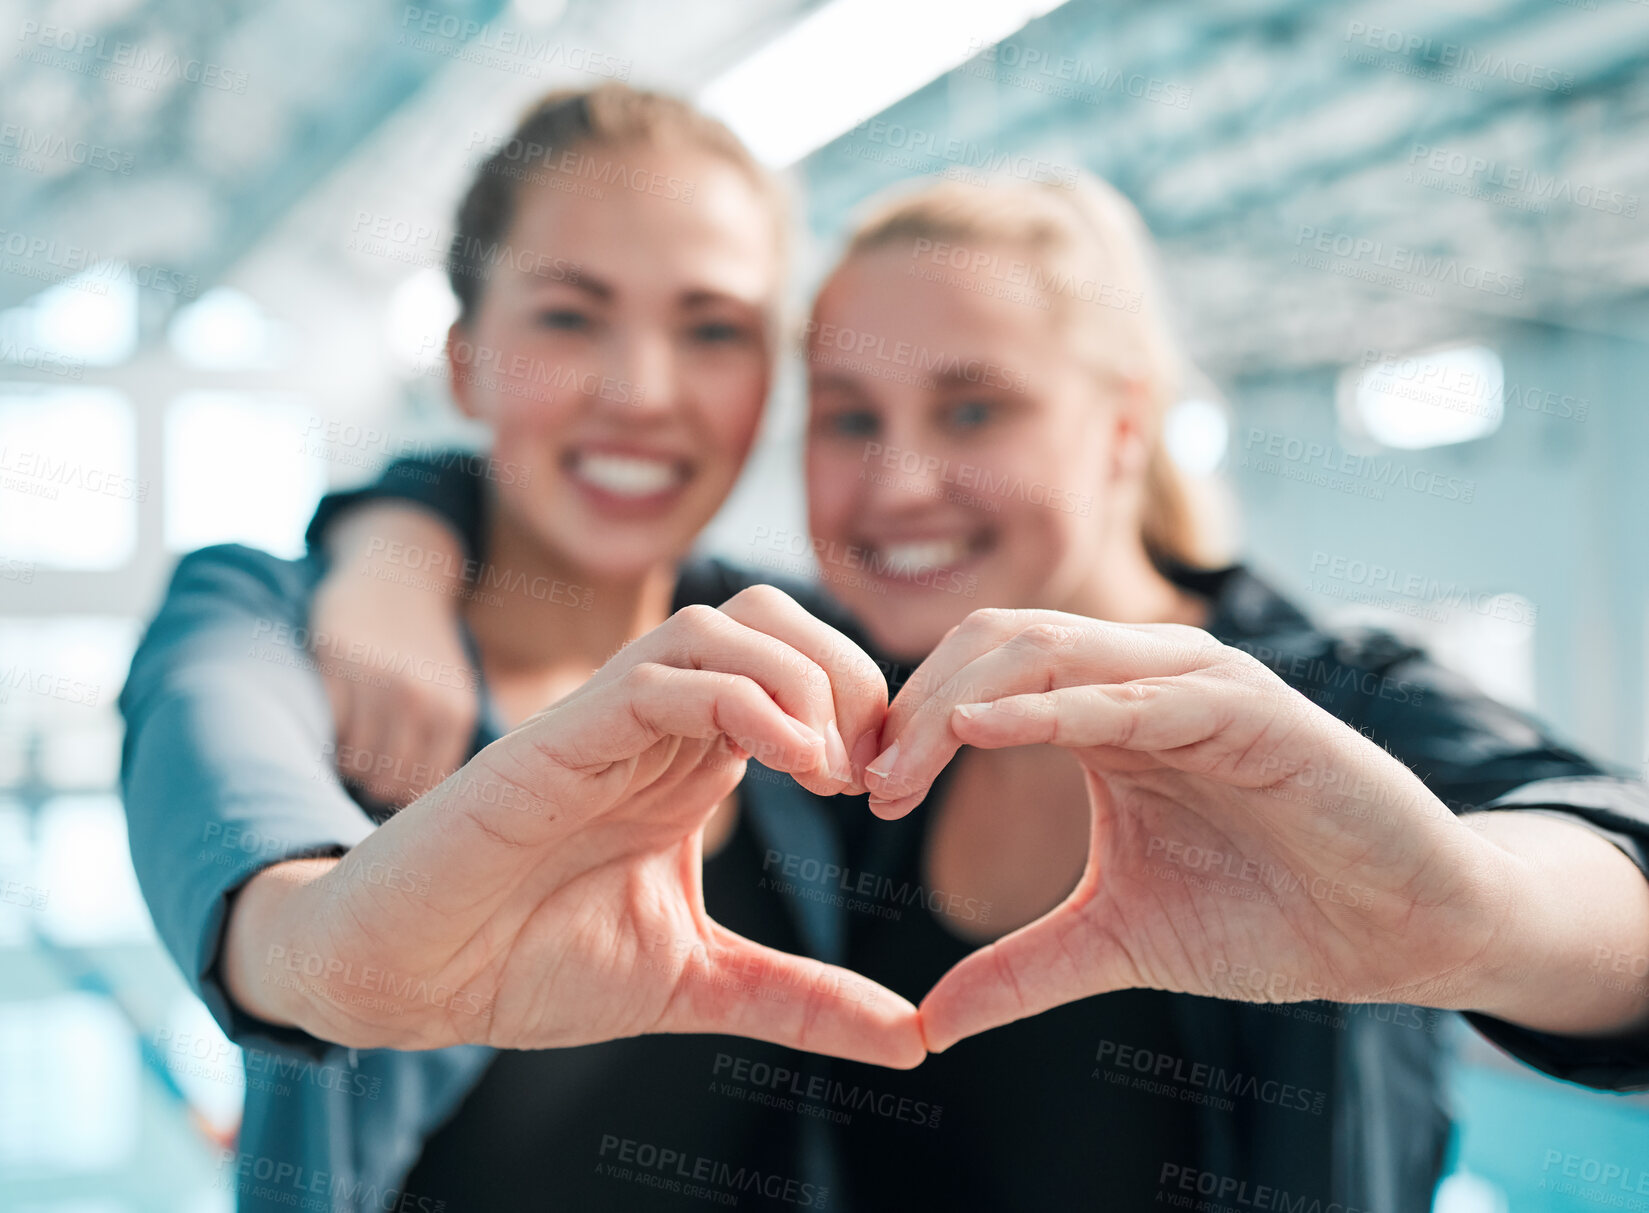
column 1406, row 241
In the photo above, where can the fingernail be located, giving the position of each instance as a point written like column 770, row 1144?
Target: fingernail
column 836, row 760
column 884, row 763
column 969, row 710
column 810, row 740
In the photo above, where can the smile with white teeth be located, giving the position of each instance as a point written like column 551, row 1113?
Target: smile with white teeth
column 627, row 475
column 903, row 559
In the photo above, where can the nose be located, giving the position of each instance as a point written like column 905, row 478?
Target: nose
column 646, row 374
column 901, row 474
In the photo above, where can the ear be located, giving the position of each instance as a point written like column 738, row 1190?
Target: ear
column 1135, row 429
column 460, row 379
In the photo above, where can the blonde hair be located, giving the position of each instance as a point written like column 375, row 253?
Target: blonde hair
column 610, row 115
column 1097, row 260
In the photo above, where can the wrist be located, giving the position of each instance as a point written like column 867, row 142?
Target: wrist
column 1569, row 896
column 269, row 926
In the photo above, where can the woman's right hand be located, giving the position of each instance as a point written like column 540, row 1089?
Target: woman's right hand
column 549, row 892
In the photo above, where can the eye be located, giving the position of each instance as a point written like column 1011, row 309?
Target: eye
column 850, row 423
column 970, row 414
column 718, row 332
column 564, row 320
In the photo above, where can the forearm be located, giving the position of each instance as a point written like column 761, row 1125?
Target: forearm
column 400, row 542
column 1576, row 931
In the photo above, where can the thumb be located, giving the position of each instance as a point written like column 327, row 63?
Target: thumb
column 1057, row 959
column 742, row 988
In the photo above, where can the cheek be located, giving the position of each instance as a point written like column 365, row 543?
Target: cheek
column 733, row 402
column 832, row 488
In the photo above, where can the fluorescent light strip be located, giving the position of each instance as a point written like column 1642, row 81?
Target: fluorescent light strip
column 848, row 60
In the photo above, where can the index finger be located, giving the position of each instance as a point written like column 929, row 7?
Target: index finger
column 857, row 685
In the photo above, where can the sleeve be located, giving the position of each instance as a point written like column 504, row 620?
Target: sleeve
column 451, row 484
column 226, row 764
column 1476, row 754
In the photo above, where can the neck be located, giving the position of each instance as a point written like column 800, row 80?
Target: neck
column 1126, row 587
column 534, row 611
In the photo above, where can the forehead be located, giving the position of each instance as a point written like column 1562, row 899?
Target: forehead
column 894, row 300
column 643, row 218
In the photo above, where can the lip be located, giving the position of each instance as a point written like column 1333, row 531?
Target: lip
column 918, row 561
column 625, row 504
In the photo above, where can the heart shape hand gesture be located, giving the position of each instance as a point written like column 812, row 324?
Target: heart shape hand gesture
column 567, row 907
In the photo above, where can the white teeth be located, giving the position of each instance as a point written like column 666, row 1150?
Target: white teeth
column 906, row 558
column 627, row 475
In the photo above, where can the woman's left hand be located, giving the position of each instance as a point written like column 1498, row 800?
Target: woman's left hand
column 1245, row 843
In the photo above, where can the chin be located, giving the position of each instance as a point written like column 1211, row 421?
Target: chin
column 902, row 637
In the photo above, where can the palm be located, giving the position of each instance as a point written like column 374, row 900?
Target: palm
column 1244, row 843
column 566, row 901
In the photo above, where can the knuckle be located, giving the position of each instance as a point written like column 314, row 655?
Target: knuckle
column 697, row 619
column 644, row 676
column 759, row 596
column 990, row 620
column 1049, row 636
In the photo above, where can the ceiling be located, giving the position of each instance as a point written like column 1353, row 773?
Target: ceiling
column 1247, row 130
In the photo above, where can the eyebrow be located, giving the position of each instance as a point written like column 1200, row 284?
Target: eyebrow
column 604, row 293
column 593, row 287
column 846, row 383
